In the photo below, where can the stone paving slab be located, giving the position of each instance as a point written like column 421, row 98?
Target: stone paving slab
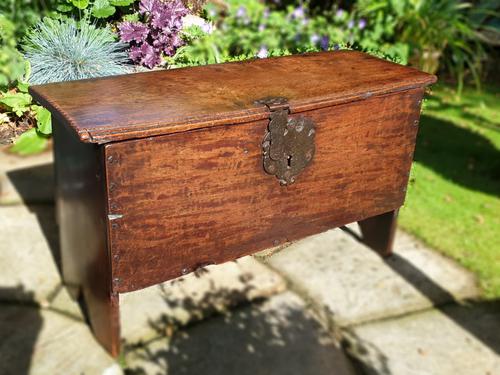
column 28, row 254
column 41, row 342
column 276, row 337
column 195, row 296
column 353, row 284
column 448, row 341
column 27, row 179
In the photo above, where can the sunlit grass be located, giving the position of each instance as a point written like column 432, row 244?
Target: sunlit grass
column 453, row 201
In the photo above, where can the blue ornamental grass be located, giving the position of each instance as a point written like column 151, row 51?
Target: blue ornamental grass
column 64, row 50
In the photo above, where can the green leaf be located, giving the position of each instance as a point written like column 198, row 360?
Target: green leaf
column 134, row 17
column 43, row 119
column 80, row 4
column 27, row 71
column 4, row 81
column 64, row 8
column 23, row 86
column 30, row 142
column 121, row 3
column 102, row 9
column 17, row 102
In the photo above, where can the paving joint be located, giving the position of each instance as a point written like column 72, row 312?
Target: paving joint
column 321, row 313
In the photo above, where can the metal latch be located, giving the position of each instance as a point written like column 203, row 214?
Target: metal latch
column 288, row 144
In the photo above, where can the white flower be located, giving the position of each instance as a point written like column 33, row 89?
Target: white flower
column 192, row 20
column 263, row 52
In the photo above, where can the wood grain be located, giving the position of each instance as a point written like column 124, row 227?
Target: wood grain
column 81, row 211
column 171, row 101
column 181, row 201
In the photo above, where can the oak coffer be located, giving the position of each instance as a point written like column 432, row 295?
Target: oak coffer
column 161, row 173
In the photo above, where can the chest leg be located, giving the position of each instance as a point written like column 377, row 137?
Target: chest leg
column 378, row 232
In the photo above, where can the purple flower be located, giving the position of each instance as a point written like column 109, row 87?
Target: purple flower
column 168, row 15
column 263, row 52
column 133, row 31
column 158, row 35
column 315, row 39
column 262, row 27
column 146, row 55
column 161, row 19
column 135, row 53
column 174, row 43
column 160, row 39
column 362, row 23
column 266, row 13
column 241, row 12
column 350, row 24
column 325, row 43
column 242, row 15
column 298, row 12
column 339, row 13
column 150, row 56
column 177, row 7
column 148, row 6
column 207, row 28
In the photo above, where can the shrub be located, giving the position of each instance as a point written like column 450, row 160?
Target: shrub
column 64, row 50
column 249, row 29
column 25, row 13
column 439, row 33
column 11, row 61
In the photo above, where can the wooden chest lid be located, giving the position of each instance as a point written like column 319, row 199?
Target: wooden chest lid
column 169, row 101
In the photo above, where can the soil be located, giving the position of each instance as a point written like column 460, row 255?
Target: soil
column 11, row 129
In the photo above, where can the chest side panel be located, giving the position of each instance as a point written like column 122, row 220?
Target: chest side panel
column 181, row 201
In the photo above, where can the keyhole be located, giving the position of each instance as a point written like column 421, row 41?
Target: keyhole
column 289, row 161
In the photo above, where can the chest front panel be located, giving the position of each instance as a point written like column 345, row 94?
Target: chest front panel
column 181, row 201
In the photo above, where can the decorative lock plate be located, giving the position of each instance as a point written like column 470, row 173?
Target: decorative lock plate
column 288, row 144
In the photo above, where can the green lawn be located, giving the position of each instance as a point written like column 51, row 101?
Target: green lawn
column 453, row 201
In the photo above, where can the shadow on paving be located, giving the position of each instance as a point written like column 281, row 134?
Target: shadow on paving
column 19, row 329
column 265, row 337
column 459, row 154
column 35, row 185
column 477, row 318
